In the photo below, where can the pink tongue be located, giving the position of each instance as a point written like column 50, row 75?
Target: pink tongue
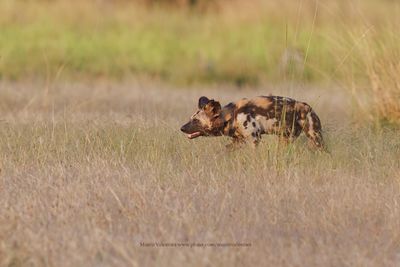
column 194, row 135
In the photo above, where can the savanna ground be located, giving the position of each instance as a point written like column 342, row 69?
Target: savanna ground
column 92, row 96
column 88, row 174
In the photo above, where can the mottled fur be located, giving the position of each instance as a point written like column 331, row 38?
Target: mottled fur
column 248, row 119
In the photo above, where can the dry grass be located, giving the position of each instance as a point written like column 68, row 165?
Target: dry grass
column 378, row 94
column 91, row 170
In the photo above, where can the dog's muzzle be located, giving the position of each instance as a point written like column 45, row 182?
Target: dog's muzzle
column 191, row 133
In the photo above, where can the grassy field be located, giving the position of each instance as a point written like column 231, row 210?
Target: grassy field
column 240, row 42
column 92, row 96
column 91, row 170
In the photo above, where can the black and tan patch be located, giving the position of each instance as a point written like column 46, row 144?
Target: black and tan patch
column 248, row 119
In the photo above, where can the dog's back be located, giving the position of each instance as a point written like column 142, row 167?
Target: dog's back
column 283, row 116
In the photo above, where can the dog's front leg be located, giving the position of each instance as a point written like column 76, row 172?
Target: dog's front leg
column 254, row 139
column 236, row 143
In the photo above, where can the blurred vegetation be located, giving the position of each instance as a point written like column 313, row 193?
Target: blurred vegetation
column 184, row 41
column 377, row 94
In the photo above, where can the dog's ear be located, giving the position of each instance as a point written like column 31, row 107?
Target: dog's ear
column 203, row 101
column 213, row 108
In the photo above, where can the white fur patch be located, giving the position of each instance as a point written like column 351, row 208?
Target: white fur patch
column 247, row 130
column 268, row 125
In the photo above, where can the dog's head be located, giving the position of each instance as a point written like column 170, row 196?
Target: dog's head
column 202, row 123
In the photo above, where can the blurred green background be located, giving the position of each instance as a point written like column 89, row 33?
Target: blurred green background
column 188, row 41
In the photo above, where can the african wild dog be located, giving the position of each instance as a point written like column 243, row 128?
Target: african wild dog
column 247, row 119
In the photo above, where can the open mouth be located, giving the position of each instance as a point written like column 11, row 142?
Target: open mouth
column 194, row 135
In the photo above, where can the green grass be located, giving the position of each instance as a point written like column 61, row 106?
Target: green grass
column 90, row 40
column 240, row 43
